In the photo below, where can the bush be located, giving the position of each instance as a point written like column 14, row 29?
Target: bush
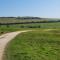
column 7, row 26
column 22, row 26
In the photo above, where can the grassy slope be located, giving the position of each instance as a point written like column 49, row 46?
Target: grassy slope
column 37, row 45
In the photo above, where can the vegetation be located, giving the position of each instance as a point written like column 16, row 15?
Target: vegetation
column 16, row 27
column 36, row 45
column 26, row 20
column 41, row 44
column 17, row 19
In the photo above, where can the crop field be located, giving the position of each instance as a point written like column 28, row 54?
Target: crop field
column 42, row 44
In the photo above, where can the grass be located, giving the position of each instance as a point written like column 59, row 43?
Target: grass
column 35, row 45
column 17, row 27
column 41, row 44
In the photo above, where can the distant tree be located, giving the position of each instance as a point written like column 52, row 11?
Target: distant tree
column 18, row 17
column 39, row 26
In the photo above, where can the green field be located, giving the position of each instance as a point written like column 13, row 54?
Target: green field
column 15, row 27
column 41, row 44
column 8, row 28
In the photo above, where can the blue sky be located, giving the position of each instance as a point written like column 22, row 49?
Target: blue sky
column 39, row 8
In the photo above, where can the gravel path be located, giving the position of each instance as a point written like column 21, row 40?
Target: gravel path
column 5, row 38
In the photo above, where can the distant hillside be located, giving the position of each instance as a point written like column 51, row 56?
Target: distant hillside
column 27, row 20
column 18, row 19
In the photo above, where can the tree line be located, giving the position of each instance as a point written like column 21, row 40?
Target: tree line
column 23, row 17
column 29, row 22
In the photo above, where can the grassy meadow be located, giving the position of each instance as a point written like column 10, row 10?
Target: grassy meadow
column 17, row 27
column 41, row 44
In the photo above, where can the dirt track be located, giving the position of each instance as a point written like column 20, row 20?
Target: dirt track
column 5, row 38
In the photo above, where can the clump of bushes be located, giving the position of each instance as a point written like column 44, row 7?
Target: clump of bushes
column 30, row 26
column 22, row 26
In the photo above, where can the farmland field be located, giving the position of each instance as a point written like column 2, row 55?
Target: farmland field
column 41, row 44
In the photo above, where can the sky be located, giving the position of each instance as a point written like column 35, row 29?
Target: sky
column 36, row 8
